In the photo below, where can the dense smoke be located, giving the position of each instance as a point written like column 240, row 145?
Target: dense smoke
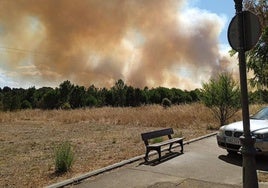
column 145, row 43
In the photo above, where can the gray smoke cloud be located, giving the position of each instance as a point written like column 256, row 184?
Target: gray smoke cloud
column 145, row 43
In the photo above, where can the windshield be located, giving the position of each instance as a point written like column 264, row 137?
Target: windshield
column 262, row 114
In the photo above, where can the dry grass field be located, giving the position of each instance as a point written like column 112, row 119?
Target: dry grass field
column 99, row 137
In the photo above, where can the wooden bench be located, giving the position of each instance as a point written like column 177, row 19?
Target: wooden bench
column 157, row 146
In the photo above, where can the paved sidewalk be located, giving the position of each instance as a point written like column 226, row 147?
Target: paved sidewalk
column 203, row 165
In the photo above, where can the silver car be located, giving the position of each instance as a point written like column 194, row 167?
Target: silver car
column 228, row 135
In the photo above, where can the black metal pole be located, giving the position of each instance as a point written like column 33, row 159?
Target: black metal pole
column 248, row 151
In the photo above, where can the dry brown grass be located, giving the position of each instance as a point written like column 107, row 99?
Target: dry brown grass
column 262, row 176
column 99, row 137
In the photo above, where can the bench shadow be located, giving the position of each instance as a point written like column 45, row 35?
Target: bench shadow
column 237, row 159
column 167, row 156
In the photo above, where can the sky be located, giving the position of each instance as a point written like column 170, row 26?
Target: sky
column 171, row 43
column 224, row 8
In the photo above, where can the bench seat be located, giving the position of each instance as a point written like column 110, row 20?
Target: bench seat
column 166, row 142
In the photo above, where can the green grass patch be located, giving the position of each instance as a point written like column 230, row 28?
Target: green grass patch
column 156, row 140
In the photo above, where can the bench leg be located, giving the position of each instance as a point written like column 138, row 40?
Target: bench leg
column 170, row 147
column 181, row 143
column 159, row 153
column 146, row 158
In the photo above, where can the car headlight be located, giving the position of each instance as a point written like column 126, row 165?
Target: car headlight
column 221, row 131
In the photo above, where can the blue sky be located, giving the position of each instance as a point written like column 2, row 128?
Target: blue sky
column 220, row 7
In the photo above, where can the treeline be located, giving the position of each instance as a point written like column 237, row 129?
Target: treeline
column 70, row 96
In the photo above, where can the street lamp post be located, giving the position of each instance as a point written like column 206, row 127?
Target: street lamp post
column 248, row 151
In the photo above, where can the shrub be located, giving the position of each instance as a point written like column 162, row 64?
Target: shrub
column 66, row 106
column 64, row 158
column 26, row 104
column 166, row 103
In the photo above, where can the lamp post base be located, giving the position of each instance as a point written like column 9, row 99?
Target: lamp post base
column 250, row 179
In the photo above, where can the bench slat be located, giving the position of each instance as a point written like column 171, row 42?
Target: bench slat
column 166, row 142
column 155, row 134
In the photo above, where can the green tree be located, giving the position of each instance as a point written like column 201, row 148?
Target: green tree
column 78, row 97
column 6, row 89
column 51, row 99
column 222, row 96
column 155, row 96
column 65, row 90
column 258, row 56
column 91, row 101
column 119, row 93
column 30, row 99
column 260, row 8
column 130, row 96
column 134, row 96
column 103, row 97
column 39, row 95
column 179, row 96
column 1, row 100
column 258, row 61
column 12, row 100
column 139, row 97
column 95, row 96
column 144, row 95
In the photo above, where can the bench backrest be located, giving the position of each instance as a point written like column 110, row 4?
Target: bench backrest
column 155, row 134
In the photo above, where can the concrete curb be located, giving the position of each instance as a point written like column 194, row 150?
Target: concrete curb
column 200, row 138
column 76, row 180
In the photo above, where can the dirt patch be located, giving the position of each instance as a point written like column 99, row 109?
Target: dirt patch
column 99, row 137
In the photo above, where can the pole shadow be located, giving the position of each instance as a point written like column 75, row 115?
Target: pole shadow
column 237, row 159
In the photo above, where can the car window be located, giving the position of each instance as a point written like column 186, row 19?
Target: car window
column 262, row 114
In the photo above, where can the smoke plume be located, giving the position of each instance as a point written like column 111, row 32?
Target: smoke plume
column 146, row 43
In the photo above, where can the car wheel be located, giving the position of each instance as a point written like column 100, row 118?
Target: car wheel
column 231, row 152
